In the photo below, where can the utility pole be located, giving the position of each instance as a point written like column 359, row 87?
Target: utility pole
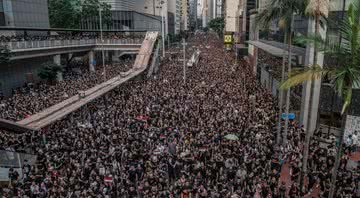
column 163, row 28
column 184, row 66
column 154, row 7
column 102, row 45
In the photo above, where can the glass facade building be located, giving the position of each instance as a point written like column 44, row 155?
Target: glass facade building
column 24, row 13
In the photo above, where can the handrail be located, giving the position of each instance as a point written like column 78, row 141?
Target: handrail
column 17, row 45
column 155, row 60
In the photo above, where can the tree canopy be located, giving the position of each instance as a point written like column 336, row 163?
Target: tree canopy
column 69, row 14
column 217, row 25
column 49, row 71
column 5, row 55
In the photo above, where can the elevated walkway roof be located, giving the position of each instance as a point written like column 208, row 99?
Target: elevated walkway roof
column 277, row 49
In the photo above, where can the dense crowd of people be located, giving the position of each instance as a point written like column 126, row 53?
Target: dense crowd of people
column 162, row 137
column 33, row 98
column 273, row 65
column 322, row 152
column 212, row 136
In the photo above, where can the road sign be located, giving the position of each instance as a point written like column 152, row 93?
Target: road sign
column 93, row 62
column 228, row 39
column 228, row 47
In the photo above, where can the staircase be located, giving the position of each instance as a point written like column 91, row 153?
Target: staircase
column 145, row 52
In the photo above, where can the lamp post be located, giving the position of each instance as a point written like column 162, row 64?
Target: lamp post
column 163, row 27
column 154, row 7
column 184, row 65
column 102, row 45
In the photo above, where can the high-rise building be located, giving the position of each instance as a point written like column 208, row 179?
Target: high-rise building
column 147, row 14
column 210, row 9
column 193, row 14
column 137, row 14
column 233, row 10
column 218, row 8
column 185, row 12
column 24, row 13
column 174, row 8
column 204, row 12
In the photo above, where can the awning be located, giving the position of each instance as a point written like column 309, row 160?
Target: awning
column 277, row 48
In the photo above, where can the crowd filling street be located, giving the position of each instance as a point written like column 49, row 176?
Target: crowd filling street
column 210, row 136
column 33, row 98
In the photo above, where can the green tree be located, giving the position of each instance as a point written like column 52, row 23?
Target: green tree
column 69, row 14
column 90, row 9
column 217, row 25
column 49, row 71
column 345, row 76
column 5, row 55
column 64, row 13
column 283, row 11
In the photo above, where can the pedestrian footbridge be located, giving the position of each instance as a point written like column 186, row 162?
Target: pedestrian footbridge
column 59, row 111
column 31, row 49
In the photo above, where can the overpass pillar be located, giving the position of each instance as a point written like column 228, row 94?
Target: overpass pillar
column 107, row 55
column 115, row 57
column 91, row 61
column 57, row 61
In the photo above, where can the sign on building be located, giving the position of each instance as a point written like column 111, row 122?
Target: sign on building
column 228, row 39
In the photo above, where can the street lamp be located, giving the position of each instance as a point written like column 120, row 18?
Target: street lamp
column 163, row 26
column 184, row 66
column 102, row 45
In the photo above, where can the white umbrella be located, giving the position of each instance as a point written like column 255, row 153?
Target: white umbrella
column 231, row 137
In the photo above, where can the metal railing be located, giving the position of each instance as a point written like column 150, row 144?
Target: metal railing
column 155, row 60
column 19, row 45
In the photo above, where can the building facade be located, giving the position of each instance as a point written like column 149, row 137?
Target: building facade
column 174, row 7
column 193, row 14
column 219, row 8
column 152, row 11
column 137, row 14
column 24, row 13
column 233, row 10
column 185, row 12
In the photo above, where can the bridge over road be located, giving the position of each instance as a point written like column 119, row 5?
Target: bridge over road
column 58, row 111
column 40, row 48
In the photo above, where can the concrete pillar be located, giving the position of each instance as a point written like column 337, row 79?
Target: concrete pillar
column 92, row 61
column 57, row 61
column 116, row 56
column 107, row 55
column 309, row 112
column 110, row 56
column 254, row 36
